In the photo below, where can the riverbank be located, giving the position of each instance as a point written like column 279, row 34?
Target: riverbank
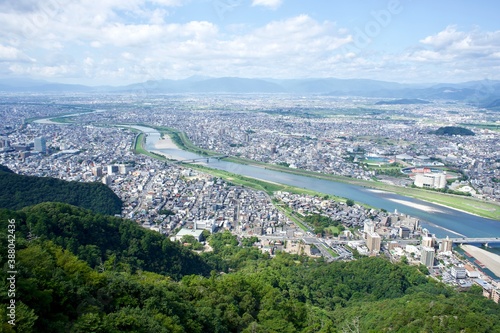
column 459, row 203
column 490, row 260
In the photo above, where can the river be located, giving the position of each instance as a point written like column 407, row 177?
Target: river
column 440, row 220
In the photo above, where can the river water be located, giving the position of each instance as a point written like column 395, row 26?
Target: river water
column 439, row 220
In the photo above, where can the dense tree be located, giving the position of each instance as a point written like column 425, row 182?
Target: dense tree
column 58, row 291
column 20, row 191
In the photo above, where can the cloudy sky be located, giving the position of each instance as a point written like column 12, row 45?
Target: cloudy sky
column 118, row 42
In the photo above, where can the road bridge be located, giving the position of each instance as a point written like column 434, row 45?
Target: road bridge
column 208, row 158
column 472, row 240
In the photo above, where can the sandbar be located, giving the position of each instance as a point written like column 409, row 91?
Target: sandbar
column 165, row 143
column 425, row 208
column 488, row 259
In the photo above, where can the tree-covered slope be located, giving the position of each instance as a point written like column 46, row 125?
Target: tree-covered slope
column 57, row 292
column 453, row 130
column 18, row 191
column 97, row 239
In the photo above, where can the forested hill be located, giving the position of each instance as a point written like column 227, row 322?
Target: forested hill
column 18, row 191
column 453, row 130
column 57, row 292
column 97, row 238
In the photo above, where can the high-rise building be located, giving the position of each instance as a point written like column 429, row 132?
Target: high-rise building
column 112, row 169
column 107, row 180
column 446, row 245
column 427, row 256
column 427, row 241
column 124, row 168
column 97, row 171
column 41, row 144
column 373, row 241
column 368, row 226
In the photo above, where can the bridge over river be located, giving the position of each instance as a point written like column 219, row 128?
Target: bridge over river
column 472, row 240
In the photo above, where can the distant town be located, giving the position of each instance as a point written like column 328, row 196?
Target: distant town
column 76, row 138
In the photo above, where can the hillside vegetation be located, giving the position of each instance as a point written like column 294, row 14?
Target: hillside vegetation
column 453, row 130
column 18, row 191
column 84, row 272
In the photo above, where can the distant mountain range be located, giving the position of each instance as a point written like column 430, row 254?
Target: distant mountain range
column 483, row 93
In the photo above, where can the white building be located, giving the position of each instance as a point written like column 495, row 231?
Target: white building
column 41, row 145
column 430, row 180
column 427, row 256
column 458, row 272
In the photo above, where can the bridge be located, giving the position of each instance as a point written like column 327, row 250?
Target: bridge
column 208, row 158
column 472, row 240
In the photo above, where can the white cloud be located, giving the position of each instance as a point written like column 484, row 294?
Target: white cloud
column 273, row 4
column 459, row 46
column 134, row 40
column 12, row 54
column 170, row 3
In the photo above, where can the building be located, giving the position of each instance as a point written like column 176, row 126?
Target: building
column 124, row 168
column 427, row 241
column 41, row 145
column 446, row 245
column 4, row 143
column 404, row 232
column 369, row 227
column 197, row 234
column 107, row 180
column 430, row 180
column 112, row 169
column 495, row 295
column 488, row 290
column 458, row 272
column 373, row 241
column 97, row 171
column 427, row 256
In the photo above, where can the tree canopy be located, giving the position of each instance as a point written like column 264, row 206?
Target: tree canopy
column 85, row 272
column 20, row 191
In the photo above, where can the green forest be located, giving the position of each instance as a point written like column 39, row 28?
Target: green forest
column 80, row 271
column 20, row 191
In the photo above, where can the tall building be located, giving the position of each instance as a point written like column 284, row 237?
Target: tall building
column 112, row 169
column 124, row 168
column 41, row 144
column 427, row 256
column 4, row 143
column 107, row 180
column 368, row 227
column 97, row 171
column 446, row 245
column 373, row 241
column 427, row 241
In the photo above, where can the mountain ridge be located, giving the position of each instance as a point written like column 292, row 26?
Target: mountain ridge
column 479, row 93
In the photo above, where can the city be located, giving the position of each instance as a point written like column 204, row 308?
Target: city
column 75, row 138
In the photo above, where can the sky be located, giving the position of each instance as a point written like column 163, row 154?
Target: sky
column 117, row 42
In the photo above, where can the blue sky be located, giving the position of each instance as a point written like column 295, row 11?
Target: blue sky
column 124, row 41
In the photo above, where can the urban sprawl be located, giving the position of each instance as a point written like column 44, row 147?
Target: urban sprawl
column 350, row 137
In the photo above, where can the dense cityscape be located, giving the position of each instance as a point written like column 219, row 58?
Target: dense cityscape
column 75, row 138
